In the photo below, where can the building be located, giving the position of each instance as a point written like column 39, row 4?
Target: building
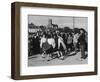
column 33, row 28
column 51, row 25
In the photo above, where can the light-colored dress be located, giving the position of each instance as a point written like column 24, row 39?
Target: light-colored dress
column 43, row 40
column 75, row 38
column 51, row 42
column 61, row 42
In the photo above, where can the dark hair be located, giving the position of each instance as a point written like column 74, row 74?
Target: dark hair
column 58, row 34
column 81, row 29
column 50, row 35
column 44, row 34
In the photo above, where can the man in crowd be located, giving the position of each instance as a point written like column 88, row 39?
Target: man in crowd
column 82, row 42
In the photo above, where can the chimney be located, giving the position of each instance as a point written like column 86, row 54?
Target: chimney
column 50, row 23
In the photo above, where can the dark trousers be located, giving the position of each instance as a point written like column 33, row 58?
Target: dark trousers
column 82, row 47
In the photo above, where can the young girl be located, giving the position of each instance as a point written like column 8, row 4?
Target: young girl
column 43, row 45
column 61, row 47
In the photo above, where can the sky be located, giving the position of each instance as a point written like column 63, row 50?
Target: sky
column 61, row 21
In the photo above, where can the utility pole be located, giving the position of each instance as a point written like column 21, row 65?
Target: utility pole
column 73, row 22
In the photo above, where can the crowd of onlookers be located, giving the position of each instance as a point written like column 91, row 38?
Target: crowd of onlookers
column 57, row 43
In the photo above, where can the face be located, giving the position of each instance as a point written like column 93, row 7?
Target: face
column 43, row 35
column 81, row 31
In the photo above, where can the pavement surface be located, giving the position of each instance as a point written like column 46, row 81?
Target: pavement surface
column 69, row 59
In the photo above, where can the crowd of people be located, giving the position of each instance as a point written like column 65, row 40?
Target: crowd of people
column 49, row 44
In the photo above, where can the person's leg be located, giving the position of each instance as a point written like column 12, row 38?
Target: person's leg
column 82, row 51
column 49, row 52
column 62, row 56
column 43, row 54
column 75, row 46
column 70, row 47
column 58, row 54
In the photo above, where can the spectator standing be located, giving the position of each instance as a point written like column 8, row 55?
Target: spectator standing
column 82, row 43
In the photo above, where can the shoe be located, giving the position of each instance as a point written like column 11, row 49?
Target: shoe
column 43, row 56
column 83, row 57
column 62, row 57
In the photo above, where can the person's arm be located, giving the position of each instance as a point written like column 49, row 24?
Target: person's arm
column 58, row 43
column 63, row 44
column 41, row 43
column 53, row 44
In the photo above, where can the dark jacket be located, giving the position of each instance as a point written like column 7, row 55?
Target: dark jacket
column 81, row 39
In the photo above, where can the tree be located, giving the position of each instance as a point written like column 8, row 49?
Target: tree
column 76, row 30
column 60, row 29
column 67, row 29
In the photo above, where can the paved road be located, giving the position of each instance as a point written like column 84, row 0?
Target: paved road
column 37, row 60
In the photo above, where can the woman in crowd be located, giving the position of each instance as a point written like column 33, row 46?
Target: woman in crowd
column 43, row 45
column 51, row 46
column 36, row 44
column 75, row 41
column 69, row 42
column 61, row 47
